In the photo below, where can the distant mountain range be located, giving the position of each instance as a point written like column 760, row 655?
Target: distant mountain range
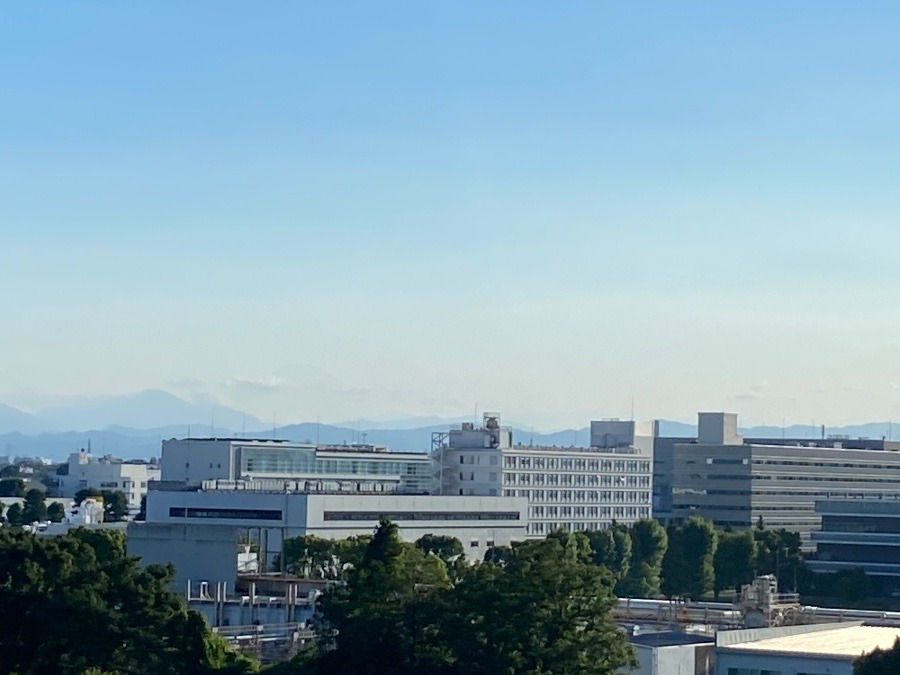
column 149, row 409
column 134, row 426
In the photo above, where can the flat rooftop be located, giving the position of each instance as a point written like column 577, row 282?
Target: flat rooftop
column 669, row 639
column 847, row 642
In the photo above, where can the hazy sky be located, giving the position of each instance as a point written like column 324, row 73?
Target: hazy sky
column 344, row 210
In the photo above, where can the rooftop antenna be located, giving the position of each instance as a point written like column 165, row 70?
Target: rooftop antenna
column 189, row 430
column 531, row 442
column 318, row 421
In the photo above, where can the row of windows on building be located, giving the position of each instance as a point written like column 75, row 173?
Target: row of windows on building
column 832, row 465
column 613, row 496
column 587, row 511
column 801, row 478
column 579, row 480
column 810, row 492
column 292, row 463
column 113, row 484
column 575, row 464
column 793, row 462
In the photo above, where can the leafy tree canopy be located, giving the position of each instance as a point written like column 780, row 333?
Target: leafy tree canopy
column 56, row 512
column 544, row 609
column 879, row 662
column 12, row 487
column 34, row 509
column 91, row 589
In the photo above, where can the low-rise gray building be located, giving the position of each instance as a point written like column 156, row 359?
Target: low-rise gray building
column 200, row 529
column 859, row 533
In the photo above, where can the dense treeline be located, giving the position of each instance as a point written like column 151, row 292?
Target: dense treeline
column 76, row 603
column 536, row 607
column 692, row 560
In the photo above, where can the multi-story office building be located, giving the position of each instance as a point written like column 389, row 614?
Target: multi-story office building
column 735, row 483
column 363, row 468
column 108, row 473
column 573, row 488
column 664, row 451
column 859, row 533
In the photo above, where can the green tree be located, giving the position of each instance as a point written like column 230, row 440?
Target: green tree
column 84, row 579
column 35, row 506
column 546, row 610
column 688, row 564
column 879, row 662
column 649, row 543
column 497, row 555
column 12, row 487
column 142, row 513
column 115, row 503
column 115, row 506
column 735, row 560
column 848, row 586
column 312, row 557
column 778, row 553
column 444, row 547
column 371, row 619
column 612, row 549
column 84, row 493
column 56, row 512
column 10, row 471
column 14, row 515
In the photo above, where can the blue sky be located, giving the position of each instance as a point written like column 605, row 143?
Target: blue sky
column 363, row 210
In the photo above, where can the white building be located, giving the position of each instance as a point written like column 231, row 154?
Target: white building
column 197, row 528
column 673, row 653
column 819, row 649
column 365, row 468
column 88, row 514
column 571, row 488
column 108, row 473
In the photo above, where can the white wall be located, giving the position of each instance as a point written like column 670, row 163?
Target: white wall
column 305, row 514
column 99, row 474
column 191, row 461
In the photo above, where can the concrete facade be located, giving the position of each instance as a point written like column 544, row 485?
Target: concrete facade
column 198, row 551
column 571, row 488
column 364, row 467
column 107, row 473
column 859, row 533
column 221, row 518
column 736, row 485
column 673, row 653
